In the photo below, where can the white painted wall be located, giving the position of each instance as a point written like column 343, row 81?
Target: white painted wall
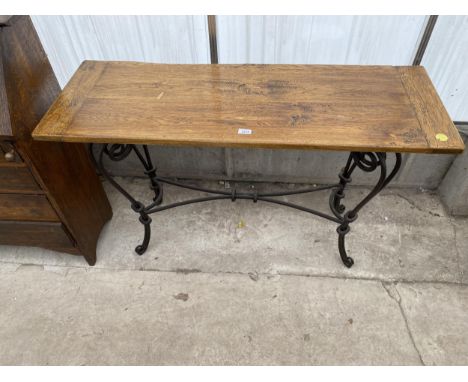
column 379, row 40
column 68, row 40
column 446, row 60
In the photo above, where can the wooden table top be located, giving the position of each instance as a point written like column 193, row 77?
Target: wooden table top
column 358, row 108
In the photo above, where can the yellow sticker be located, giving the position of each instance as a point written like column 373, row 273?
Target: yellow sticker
column 441, row 137
column 241, row 224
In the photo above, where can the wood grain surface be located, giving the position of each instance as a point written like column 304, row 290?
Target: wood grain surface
column 44, row 234
column 26, row 208
column 16, row 178
column 5, row 125
column 359, row 108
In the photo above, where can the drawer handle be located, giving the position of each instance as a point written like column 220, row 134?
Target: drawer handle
column 10, row 156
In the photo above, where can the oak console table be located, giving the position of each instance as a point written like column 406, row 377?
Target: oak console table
column 371, row 111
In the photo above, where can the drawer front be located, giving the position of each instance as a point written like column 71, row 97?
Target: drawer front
column 26, row 208
column 47, row 235
column 17, row 179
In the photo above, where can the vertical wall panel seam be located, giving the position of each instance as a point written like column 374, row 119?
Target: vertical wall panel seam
column 213, row 39
column 425, row 39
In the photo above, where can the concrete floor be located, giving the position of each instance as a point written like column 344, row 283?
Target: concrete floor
column 238, row 283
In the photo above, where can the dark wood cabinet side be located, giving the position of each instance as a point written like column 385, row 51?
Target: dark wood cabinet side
column 63, row 170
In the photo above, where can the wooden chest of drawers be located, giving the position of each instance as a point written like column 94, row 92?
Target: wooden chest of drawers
column 26, row 215
column 43, row 202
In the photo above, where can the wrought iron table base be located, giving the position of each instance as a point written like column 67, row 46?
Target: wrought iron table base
column 366, row 161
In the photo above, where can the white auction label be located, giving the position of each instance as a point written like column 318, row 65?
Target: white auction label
column 244, row 131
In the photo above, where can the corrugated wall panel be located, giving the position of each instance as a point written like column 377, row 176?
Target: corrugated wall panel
column 446, row 60
column 379, row 40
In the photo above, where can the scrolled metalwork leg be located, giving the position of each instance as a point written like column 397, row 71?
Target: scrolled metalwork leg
column 367, row 162
column 117, row 152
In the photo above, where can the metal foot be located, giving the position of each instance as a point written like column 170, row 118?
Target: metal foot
column 141, row 249
column 347, row 261
column 146, row 221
